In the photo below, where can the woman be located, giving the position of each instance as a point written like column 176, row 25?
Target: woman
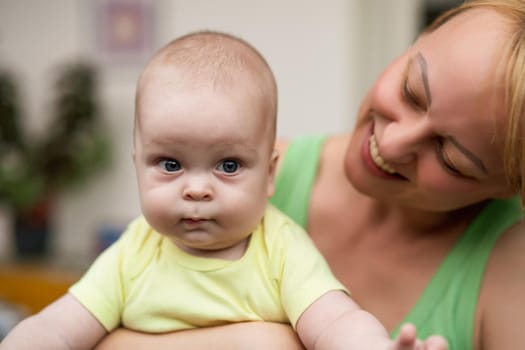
column 415, row 211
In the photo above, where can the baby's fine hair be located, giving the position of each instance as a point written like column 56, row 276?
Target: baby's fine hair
column 216, row 55
column 219, row 59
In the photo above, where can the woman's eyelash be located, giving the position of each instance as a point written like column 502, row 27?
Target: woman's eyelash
column 407, row 94
column 445, row 162
column 411, row 97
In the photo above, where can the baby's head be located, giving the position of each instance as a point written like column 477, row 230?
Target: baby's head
column 205, row 123
column 212, row 61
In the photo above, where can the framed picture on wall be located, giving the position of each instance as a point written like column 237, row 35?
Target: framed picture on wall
column 124, row 30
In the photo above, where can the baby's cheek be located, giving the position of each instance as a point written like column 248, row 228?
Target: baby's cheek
column 156, row 208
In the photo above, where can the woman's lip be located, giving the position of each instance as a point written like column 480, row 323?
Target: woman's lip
column 367, row 158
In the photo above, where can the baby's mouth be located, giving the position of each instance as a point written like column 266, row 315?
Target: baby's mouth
column 192, row 220
column 193, row 223
column 376, row 157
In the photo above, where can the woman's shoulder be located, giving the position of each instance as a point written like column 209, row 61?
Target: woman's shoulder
column 501, row 303
column 508, row 257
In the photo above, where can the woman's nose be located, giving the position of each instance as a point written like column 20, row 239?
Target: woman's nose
column 198, row 188
column 401, row 140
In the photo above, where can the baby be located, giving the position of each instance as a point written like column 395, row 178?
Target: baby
column 209, row 249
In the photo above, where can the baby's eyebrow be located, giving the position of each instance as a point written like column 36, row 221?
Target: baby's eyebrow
column 424, row 76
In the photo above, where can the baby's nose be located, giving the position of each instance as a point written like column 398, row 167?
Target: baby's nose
column 198, row 189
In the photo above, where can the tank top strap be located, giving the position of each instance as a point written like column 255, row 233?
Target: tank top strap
column 297, row 173
column 448, row 304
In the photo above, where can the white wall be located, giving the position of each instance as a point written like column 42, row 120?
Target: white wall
column 324, row 53
column 307, row 42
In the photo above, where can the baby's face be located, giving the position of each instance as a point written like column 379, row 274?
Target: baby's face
column 204, row 163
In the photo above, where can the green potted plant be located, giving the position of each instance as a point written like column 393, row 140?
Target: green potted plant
column 33, row 170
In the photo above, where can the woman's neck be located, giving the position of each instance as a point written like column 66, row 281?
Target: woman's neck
column 414, row 221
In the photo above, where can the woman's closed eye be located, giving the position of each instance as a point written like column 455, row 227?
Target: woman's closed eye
column 411, row 97
column 445, row 161
column 450, row 165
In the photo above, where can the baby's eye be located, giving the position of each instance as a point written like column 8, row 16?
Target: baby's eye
column 170, row 165
column 229, row 166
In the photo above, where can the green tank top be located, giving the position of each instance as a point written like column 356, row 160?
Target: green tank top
column 448, row 304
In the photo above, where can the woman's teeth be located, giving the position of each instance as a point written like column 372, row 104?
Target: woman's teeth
column 376, row 157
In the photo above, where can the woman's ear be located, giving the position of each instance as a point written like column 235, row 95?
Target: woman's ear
column 506, row 193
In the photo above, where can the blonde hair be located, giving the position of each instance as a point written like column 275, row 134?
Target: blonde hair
column 514, row 151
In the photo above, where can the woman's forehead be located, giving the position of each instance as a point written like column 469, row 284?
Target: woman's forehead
column 466, row 61
column 472, row 43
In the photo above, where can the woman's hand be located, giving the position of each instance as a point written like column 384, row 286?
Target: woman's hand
column 246, row 335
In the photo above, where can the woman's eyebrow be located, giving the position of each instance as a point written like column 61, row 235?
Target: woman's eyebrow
column 473, row 158
column 424, row 76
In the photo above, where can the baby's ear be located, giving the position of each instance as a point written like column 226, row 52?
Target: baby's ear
column 272, row 172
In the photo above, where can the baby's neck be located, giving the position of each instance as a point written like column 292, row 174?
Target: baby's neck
column 233, row 252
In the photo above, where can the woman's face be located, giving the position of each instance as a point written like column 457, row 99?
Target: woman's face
column 429, row 134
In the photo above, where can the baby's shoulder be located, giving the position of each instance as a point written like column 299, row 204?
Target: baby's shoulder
column 277, row 224
column 139, row 242
column 281, row 233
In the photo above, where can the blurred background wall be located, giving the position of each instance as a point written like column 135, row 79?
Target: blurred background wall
column 324, row 53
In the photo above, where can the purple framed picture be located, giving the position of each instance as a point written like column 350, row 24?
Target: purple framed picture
column 124, row 29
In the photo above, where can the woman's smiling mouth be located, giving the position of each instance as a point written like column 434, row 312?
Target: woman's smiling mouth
column 376, row 157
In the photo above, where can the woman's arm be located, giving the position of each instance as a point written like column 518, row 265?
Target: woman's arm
column 64, row 324
column 245, row 335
